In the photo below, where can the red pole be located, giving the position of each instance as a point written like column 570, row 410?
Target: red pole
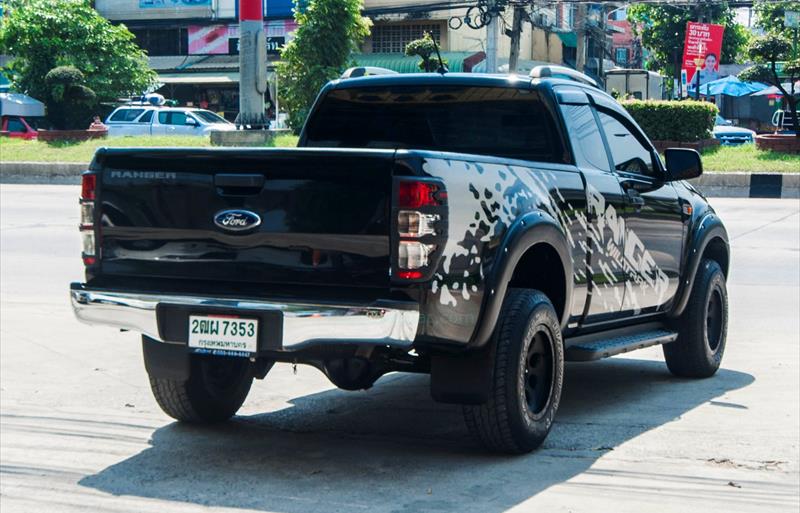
column 252, row 64
column 250, row 10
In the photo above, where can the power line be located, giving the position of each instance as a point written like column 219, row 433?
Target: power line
column 461, row 4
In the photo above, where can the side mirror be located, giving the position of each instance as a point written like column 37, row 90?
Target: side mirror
column 190, row 121
column 682, row 164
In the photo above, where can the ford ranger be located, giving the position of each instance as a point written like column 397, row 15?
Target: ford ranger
column 480, row 229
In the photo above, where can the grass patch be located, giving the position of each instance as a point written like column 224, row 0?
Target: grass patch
column 285, row 141
column 18, row 150
column 716, row 160
column 748, row 158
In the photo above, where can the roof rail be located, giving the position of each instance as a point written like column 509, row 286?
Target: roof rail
column 363, row 71
column 548, row 71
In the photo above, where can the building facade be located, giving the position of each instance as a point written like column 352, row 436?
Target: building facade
column 193, row 44
column 397, row 23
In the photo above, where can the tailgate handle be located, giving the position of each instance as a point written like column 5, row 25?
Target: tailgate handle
column 239, row 184
column 239, row 180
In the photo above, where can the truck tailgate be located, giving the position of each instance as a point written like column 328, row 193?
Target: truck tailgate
column 323, row 215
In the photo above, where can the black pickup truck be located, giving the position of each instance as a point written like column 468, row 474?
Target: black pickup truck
column 481, row 229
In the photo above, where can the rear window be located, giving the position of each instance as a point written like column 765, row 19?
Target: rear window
column 123, row 115
column 503, row 122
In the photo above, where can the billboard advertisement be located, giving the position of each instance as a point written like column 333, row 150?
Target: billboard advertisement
column 166, row 4
column 701, row 51
column 224, row 39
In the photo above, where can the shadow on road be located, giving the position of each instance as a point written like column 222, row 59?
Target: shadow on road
column 394, row 449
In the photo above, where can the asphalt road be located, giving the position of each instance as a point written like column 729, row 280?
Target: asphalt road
column 81, row 432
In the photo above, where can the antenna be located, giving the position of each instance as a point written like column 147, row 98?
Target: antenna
column 442, row 68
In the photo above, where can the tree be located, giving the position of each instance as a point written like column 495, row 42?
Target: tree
column 328, row 32
column 425, row 48
column 68, row 100
column 767, row 52
column 770, row 15
column 662, row 29
column 46, row 34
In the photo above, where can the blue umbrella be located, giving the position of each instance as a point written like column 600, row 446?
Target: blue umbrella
column 730, row 86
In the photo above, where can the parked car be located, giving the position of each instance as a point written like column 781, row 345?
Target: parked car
column 21, row 116
column 478, row 228
column 144, row 119
column 731, row 135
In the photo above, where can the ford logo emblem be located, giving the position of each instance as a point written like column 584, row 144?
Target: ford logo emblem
column 237, row 220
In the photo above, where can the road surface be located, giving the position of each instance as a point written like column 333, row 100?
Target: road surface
column 81, row 432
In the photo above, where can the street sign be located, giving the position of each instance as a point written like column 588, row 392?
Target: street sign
column 791, row 19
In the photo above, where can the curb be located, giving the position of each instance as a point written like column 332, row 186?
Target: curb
column 749, row 185
column 714, row 184
column 42, row 172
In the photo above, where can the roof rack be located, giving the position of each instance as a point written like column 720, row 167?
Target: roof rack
column 363, row 71
column 548, row 71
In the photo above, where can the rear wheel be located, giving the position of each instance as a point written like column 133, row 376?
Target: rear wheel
column 528, row 376
column 703, row 327
column 214, row 392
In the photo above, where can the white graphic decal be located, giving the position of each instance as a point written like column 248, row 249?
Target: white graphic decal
column 631, row 257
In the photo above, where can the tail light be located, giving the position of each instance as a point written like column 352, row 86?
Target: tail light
column 88, row 188
column 417, row 194
column 420, row 230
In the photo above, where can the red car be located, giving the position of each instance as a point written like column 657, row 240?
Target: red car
column 20, row 116
column 17, row 126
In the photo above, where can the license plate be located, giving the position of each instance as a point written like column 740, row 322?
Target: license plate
column 224, row 333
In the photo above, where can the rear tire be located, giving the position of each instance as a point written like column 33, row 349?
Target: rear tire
column 703, row 327
column 214, row 392
column 528, row 376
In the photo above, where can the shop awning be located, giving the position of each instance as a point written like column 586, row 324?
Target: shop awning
column 569, row 39
column 456, row 61
column 199, row 78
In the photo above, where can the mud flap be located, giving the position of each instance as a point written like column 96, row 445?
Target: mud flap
column 462, row 378
column 165, row 361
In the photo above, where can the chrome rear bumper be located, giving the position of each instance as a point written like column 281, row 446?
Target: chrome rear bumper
column 304, row 324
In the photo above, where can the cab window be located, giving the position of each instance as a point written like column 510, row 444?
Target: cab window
column 172, row 118
column 146, row 117
column 125, row 115
column 177, row 118
column 587, row 143
column 627, row 152
column 15, row 125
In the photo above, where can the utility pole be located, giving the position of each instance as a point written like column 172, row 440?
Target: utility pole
column 515, row 34
column 252, row 65
column 580, row 50
column 601, row 23
column 491, row 42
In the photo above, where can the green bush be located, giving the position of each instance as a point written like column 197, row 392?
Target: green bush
column 328, row 31
column 69, row 102
column 673, row 121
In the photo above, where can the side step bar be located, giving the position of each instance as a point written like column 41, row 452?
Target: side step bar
column 595, row 346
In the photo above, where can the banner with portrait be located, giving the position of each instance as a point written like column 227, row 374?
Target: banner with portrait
column 701, row 52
